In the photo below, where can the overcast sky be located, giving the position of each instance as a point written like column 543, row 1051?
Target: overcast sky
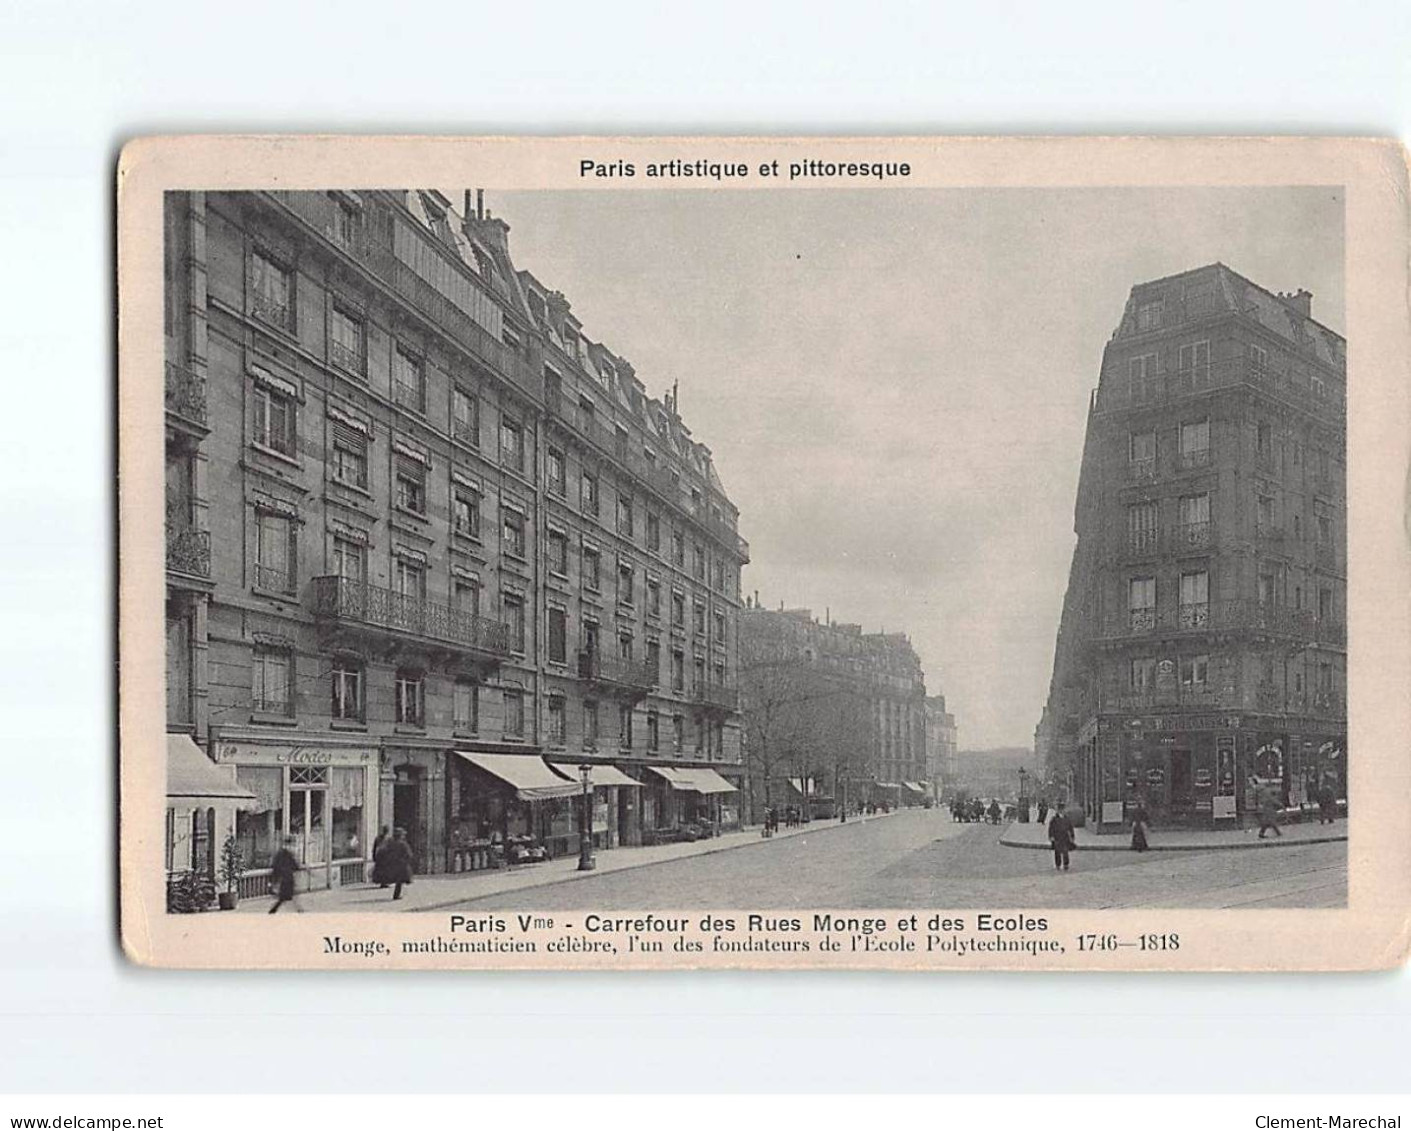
column 894, row 383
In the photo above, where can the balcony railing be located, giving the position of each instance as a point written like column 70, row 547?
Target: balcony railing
column 1190, row 536
column 632, row 674
column 270, row 310
column 1195, row 458
column 409, row 396
column 189, row 551
column 349, row 358
column 1141, row 470
column 1231, row 614
column 341, row 599
column 186, row 395
column 1272, row 698
column 715, row 695
column 1179, row 695
column 273, row 579
column 1143, row 542
column 1119, row 391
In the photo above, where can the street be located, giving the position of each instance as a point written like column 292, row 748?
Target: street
column 921, row 858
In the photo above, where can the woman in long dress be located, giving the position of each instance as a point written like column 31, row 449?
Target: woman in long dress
column 1140, row 820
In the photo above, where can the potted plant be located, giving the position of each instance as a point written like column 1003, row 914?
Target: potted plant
column 232, row 866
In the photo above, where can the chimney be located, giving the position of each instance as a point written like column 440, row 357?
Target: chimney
column 1300, row 301
column 466, row 209
column 480, row 204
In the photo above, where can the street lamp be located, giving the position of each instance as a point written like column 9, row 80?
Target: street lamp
column 586, row 863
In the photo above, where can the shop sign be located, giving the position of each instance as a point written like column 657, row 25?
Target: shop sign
column 1195, row 722
column 265, row 754
column 1222, row 808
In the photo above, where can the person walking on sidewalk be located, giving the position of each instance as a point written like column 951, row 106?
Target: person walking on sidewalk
column 378, row 843
column 1060, row 835
column 1043, row 810
column 1268, row 812
column 1327, row 803
column 282, row 870
column 1140, row 820
column 395, row 867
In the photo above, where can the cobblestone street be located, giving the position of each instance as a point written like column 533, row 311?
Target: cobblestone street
column 920, row 858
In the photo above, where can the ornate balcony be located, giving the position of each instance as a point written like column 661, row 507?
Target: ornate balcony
column 349, row 358
column 621, row 678
column 1237, row 614
column 186, row 400
column 349, row 606
column 1188, row 536
column 188, row 551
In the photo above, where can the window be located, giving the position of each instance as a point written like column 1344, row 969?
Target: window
column 408, row 380
column 626, row 587
column 1142, row 532
column 558, row 473
column 510, row 336
column 514, row 714
column 653, row 731
column 1142, row 675
column 1263, row 439
column 409, row 583
column 349, row 560
column 624, row 516
column 1324, row 530
column 678, row 610
column 1325, row 603
column 557, row 728
column 1195, row 443
column 275, row 561
column 345, row 223
column 513, row 531
column 718, row 673
column 589, row 495
column 271, row 291
column 592, row 568
column 1149, row 315
column 465, row 706
column 1141, row 602
column 347, row 342
column 590, row 637
column 1258, row 358
column 276, row 420
column 590, row 725
column 269, row 684
column 1141, row 375
column 678, row 547
column 701, row 733
column 465, row 510
column 558, row 552
column 1325, row 677
column 511, row 443
column 653, row 532
column 678, row 733
column 624, row 727
column 698, row 617
column 654, row 660
column 1194, row 363
column 698, row 562
column 1141, row 452
column 409, row 483
column 349, row 457
column 1268, row 589
column 1193, row 531
column 1200, row 300
column 514, row 618
column 465, row 596
column 347, row 690
column 465, row 417
column 719, row 617
column 558, row 636
column 408, row 695
column 1195, row 599
column 678, row 670
column 1194, row 670
column 699, row 673
column 1265, row 514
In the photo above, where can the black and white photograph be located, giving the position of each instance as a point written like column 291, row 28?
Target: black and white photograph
column 859, row 546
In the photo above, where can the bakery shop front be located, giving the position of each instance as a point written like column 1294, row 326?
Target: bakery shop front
column 317, row 794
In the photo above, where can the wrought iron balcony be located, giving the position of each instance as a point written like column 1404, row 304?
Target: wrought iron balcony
column 1141, row 470
column 1188, row 536
column 1118, row 391
column 716, row 695
column 349, row 358
column 188, row 550
column 1231, row 614
column 271, row 310
column 345, row 602
column 1142, row 543
column 186, row 396
column 618, row 675
column 410, row 396
column 1195, row 458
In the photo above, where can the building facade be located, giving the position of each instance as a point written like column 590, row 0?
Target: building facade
column 942, row 770
column 830, row 711
column 419, row 522
column 1201, row 652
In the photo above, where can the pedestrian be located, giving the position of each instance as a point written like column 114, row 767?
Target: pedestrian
column 1268, row 812
column 1060, row 836
column 281, row 875
column 379, row 842
column 1327, row 802
column 1140, row 820
column 995, row 812
column 1043, row 810
column 395, row 868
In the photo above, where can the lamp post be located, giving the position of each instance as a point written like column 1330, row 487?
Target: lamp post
column 586, row 863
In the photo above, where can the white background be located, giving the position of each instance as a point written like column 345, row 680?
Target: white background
column 76, row 79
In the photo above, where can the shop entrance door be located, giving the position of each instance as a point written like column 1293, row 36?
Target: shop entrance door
column 1182, row 793
column 406, row 814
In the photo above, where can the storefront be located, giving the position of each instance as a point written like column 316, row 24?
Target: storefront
column 683, row 797
column 203, row 800
column 319, row 795
column 616, row 800
column 413, row 797
column 499, row 800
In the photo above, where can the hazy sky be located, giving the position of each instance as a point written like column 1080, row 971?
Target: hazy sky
column 895, row 383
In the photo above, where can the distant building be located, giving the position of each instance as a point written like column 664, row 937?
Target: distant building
column 830, row 711
column 941, row 768
column 1201, row 652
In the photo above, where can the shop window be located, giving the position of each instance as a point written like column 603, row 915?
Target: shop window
column 465, row 510
column 348, row 459
column 270, row 683
column 514, row 714
column 345, row 800
column 276, row 420
column 556, row 721
column 258, row 831
column 409, row 692
column 347, row 691
column 408, row 380
column 275, row 552
column 465, row 417
column 465, row 706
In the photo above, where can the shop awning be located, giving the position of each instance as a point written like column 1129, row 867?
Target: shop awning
column 192, row 777
column 888, row 785
column 601, row 775
column 528, row 774
column 696, row 780
column 914, row 786
column 798, row 787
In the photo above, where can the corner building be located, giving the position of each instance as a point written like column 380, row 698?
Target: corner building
column 1201, row 650
column 430, row 548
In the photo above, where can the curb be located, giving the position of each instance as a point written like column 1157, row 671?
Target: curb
column 1123, row 844
column 577, row 876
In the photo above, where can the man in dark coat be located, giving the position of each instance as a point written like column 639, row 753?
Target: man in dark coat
column 1268, row 812
column 281, row 873
column 1140, row 820
column 383, row 836
column 1043, row 809
column 395, row 865
column 1327, row 802
column 995, row 813
column 1060, row 835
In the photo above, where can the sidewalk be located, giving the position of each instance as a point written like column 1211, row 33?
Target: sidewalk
column 431, row 893
column 1034, row 835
